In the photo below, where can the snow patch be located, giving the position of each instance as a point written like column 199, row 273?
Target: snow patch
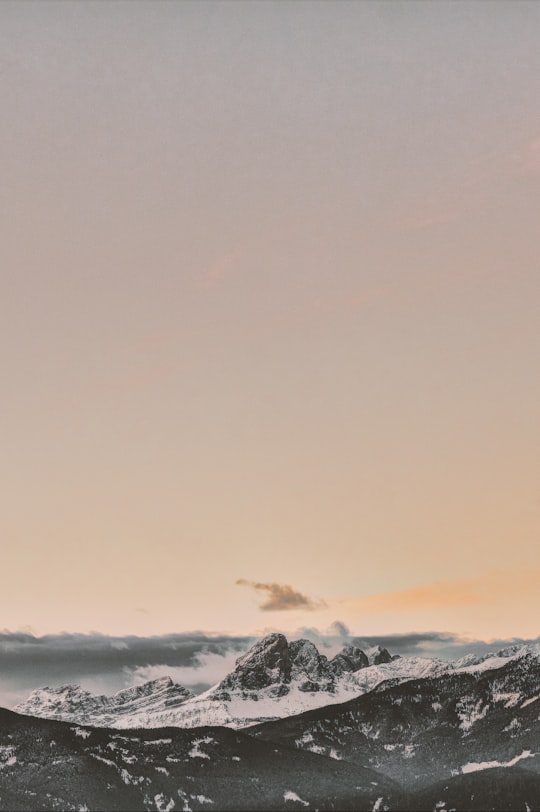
column 490, row 663
column 196, row 751
column 470, row 712
column 130, row 779
column 292, row 796
column 161, row 803
column 408, row 751
column 104, row 760
column 126, row 738
column 474, row 766
column 316, row 748
column 80, row 731
column 510, row 699
column 183, row 797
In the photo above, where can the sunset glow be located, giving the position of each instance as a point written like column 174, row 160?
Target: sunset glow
column 269, row 317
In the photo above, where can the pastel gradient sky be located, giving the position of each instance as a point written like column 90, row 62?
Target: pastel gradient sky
column 270, row 313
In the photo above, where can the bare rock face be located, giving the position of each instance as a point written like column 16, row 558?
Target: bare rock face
column 350, row 659
column 265, row 664
column 274, row 664
column 309, row 667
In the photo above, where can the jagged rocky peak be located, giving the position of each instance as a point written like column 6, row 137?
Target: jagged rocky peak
column 350, row 658
column 63, row 693
column 309, row 666
column 377, row 655
column 266, row 663
column 274, row 663
column 52, row 702
column 69, row 689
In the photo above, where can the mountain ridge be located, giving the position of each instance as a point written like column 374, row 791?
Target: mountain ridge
column 274, row 679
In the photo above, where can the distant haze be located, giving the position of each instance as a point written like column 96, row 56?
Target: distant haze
column 269, row 317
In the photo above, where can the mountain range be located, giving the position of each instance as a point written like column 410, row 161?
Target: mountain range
column 289, row 728
column 273, row 679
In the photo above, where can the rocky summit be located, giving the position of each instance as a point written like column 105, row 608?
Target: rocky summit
column 275, row 664
column 350, row 659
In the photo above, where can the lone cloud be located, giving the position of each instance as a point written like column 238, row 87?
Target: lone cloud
column 281, row 597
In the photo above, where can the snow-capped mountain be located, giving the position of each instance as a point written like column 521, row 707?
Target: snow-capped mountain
column 273, row 680
column 142, row 702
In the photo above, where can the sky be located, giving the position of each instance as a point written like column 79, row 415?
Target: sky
column 269, row 318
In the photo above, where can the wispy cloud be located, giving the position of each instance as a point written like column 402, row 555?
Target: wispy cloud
column 281, row 597
column 492, row 586
column 431, row 596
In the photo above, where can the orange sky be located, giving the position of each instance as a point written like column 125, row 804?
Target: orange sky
column 269, row 291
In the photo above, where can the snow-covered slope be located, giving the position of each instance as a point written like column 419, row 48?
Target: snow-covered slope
column 273, row 680
column 474, row 664
column 144, row 703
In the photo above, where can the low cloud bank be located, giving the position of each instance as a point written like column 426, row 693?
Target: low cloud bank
column 105, row 664
column 445, row 645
